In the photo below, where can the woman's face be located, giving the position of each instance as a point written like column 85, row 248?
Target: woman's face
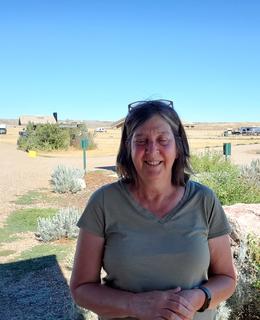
column 153, row 150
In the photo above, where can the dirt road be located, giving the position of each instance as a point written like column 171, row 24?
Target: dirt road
column 19, row 173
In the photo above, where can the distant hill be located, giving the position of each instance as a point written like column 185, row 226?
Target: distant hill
column 108, row 124
column 97, row 123
column 11, row 122
column 89, row 123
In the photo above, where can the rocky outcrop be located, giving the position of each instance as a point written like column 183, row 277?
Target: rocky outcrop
column 245, row 218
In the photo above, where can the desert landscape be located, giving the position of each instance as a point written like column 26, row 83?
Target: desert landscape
column 22, row 175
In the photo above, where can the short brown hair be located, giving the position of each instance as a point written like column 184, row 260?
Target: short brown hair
column 181, row 169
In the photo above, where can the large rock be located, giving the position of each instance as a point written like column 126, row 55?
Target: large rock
column 244, row 217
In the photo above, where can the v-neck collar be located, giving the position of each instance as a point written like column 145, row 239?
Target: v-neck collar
column 149, row 214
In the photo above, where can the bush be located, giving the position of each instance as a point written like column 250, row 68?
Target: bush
column 252, row 172
column 209, row 162
column 244, row 303
column 45, row 137
column 62, row 225
column 223, row 311
column 48, row 137
column 66, row 179
column 76, row 138
column 81, row 132
column 226, row 179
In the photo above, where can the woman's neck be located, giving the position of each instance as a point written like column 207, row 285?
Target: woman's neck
column 153, row 191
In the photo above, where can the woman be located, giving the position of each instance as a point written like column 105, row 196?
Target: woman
column 161, row 238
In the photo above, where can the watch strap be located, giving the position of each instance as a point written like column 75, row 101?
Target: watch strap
column 207, row 298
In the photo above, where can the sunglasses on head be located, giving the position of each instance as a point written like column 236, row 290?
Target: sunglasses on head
column 163, row 102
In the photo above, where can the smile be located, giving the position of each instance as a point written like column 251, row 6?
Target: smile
column 153, row 163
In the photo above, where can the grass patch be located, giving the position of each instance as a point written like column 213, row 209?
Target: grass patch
column 60, row 250
column 5, row 253
column 23, row 221
column 32, row 197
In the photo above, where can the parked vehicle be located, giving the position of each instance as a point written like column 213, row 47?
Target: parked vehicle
column 3, row 129
column 100, row 130
column 245, row 131
column 23, row 133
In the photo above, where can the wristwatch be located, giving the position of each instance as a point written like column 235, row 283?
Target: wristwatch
column 207, row 298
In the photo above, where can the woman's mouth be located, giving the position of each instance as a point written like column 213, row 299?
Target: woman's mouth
column 153, row 163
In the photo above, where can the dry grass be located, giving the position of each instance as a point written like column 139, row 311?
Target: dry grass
column 200, row 137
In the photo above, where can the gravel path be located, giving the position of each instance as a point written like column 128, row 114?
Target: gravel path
column 19, row 173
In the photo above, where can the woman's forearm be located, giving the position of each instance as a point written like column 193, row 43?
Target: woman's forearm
column 221, row 287
column 113, row 303
column 104, row 301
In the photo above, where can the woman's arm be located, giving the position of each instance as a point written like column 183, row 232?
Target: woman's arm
column 85, row 283
column 88, row 292
column 222, row 275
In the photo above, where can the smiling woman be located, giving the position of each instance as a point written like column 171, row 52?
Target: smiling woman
column 161, row 238
column 153, row 150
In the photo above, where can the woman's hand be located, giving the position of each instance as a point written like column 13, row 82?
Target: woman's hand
column 167, row 305
column 196, row 298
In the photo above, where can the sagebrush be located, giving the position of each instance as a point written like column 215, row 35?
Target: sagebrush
column 244, row 304
column 62, row 225
column 65, row 179
column 252, row 172
column 230, row 183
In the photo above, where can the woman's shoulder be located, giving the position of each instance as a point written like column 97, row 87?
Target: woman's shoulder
column 108, row 189
column 197, row 188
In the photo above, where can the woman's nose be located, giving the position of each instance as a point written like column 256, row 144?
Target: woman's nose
column 151, row 147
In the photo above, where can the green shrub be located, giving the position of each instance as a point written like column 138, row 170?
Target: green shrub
column 45, row 137
column 65, row 179
column 81, row 132
column 62, row 225
column 244, row 303
column 76, row 141
column 254, row 259
column 225, row 178
column 252, row 172
column 48, row 137
column 209, row 162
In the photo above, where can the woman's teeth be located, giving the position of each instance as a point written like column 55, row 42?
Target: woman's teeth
column 153, row 163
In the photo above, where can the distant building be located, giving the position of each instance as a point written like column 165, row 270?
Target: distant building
column 25, row 119
column 118, row 124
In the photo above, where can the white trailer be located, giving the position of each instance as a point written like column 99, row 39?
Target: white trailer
column 3, row 129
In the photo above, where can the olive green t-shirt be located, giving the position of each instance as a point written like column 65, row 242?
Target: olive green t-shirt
column 143, row 252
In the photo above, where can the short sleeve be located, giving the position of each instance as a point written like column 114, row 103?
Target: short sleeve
column 92, row 218
column 217, row 219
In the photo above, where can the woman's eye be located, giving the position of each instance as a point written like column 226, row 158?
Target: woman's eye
column 140, row 142
column 164, row 141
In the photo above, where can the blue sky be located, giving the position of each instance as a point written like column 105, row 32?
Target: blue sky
column 88, row 59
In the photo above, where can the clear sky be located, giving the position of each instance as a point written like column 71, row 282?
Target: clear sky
column 88, row 59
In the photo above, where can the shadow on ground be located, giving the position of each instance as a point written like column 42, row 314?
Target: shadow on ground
column 111, row 168
column 35, row 289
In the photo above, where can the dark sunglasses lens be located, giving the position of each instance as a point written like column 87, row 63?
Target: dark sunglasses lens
column 167, row 103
